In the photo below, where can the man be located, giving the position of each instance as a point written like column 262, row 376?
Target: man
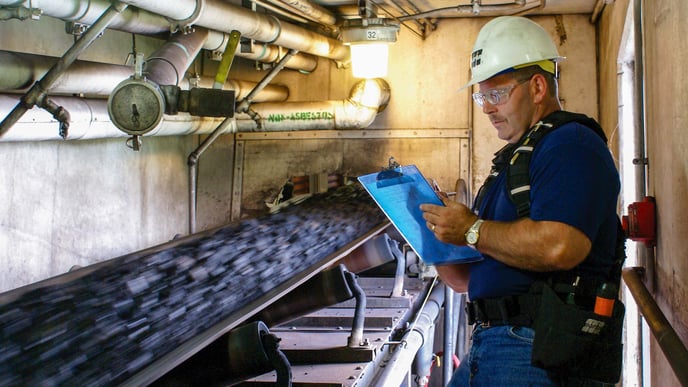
column 569, row 233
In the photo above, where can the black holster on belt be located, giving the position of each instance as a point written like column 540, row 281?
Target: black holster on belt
column 574, row 342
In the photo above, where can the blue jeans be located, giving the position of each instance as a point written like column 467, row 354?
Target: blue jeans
column 500, row 356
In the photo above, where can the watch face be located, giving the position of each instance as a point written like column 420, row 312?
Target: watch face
column 472, row 237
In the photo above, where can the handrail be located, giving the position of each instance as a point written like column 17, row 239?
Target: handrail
column 672, row 346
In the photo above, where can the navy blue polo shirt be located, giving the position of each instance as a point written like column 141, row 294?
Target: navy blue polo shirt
column 574, row 180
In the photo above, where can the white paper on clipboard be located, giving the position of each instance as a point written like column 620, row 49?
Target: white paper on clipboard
column 399, row 192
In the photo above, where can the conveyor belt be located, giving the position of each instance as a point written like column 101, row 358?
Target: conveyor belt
column 130, row 319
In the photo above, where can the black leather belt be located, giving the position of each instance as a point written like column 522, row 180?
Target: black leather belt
column 511, row 310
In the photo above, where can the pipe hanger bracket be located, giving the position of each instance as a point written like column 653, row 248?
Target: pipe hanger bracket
column 185, row 26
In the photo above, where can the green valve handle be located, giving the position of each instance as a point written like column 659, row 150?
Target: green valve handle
column 227, row 59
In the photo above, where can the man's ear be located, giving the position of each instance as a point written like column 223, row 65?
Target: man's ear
column 538, row 88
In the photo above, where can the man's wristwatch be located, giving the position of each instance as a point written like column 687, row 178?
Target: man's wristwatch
column 473, row 233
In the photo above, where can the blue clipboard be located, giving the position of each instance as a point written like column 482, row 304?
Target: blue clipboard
column 399, row 192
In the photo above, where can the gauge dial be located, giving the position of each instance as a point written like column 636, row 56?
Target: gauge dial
column 136, row 106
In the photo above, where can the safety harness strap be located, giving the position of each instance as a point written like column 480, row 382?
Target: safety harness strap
column 518, row 174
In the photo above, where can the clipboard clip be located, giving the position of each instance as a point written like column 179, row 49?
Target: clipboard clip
column 391, row 171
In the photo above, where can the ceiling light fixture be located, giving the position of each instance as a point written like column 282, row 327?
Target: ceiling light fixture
column 369, row 39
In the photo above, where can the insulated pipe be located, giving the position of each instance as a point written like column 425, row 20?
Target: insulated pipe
column 398, row 366
column 366, row 99
column 263, row 52
column 19, row 71
column 310, row 10
column 469, row 10
column 168, row 64
column 37, row 94
column 244, row 105
column 139, row 21
column 88, row 11
column 221, row 16
column 90, row 118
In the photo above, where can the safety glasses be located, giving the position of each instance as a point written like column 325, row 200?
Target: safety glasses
column 497, row 96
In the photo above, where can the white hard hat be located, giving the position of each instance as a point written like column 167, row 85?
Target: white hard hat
column 510, row 42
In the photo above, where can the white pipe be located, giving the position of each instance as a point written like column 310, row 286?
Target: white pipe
column 399, row 364
column 90, row 119
column 168, row 64
column 215, row 14
column 19, row 71
column 88, row 11
column 470, row 10
column 310, row 10
column 221, row 16
column 139, row 21
column 358, row 111
column 262, row 52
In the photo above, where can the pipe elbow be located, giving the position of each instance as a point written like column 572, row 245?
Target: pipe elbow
column 367, row 98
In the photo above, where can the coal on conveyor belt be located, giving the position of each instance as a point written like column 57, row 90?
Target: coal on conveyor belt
column 103, row 327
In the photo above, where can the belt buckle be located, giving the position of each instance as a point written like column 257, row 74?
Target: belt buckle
column 485, row 324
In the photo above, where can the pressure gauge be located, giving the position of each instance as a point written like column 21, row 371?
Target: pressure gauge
column 136, row 106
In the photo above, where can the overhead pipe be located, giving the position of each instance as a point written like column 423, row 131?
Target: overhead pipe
column 282, row 11
column 309, row 10
column 221, row 16
column 366, row 99
column 244, row 105
column 475, row 10
column 168, row 64
column 90, row 119
column 37, row 95
column 18, row 71
column 597, row 10
column 536, row 8
column 138, row 21
column 88, row 11
column 262, row 52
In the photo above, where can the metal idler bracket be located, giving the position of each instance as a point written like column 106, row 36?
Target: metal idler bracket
column 356, row 339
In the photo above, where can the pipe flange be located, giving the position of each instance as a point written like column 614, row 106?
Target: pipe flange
column 186, row 25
